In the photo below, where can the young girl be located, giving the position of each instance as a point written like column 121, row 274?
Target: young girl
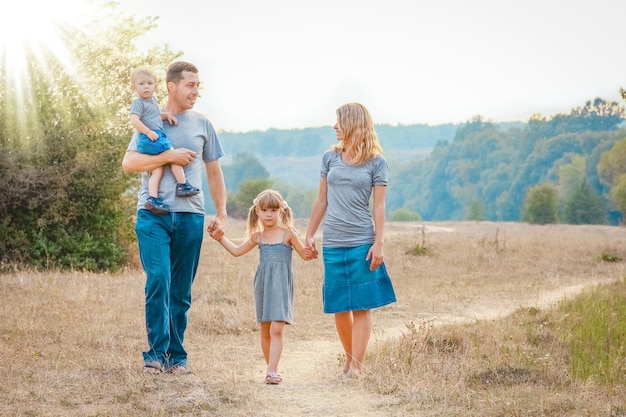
column 270, row 225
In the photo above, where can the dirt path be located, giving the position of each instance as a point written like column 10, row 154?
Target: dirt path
column 312, row 385
column 309, row 390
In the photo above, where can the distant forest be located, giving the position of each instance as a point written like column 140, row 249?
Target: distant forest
column 478, row 170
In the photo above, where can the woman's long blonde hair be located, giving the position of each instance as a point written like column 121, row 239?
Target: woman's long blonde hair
column 360, row 139
column 273, row 200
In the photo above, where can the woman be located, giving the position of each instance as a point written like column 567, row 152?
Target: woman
column 355, row 277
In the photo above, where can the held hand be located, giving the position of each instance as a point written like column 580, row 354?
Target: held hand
column 310, row 251
column 216, row 228
column 216, row 234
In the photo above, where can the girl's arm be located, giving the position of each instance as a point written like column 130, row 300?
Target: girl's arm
column 376, row 251
column 245, row 247
column 295, row 242
column 319, row 209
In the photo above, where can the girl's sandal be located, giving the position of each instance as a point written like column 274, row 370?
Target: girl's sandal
column 272, row 378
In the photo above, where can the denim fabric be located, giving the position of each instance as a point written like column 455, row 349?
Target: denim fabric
column 169, row 248
column 349, row 285
column 150, row 147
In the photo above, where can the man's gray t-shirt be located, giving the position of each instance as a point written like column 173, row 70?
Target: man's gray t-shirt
column 148, row 111
column 348, row 221
column 196, row 133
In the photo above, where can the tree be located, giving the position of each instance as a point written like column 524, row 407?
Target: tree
column 66, row 202
column 244, row 166
column 241, row 202
column 612, row 173
column 585, row 206
column 404, row 214
column 476, row 211
column 540, row 206
column 612, row 164
column 618, row 193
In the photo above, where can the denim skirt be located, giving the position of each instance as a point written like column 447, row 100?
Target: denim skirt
column 349, row 285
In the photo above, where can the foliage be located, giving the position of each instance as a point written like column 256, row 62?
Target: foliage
column 404, row 214
column 300, row 201
column 313, row 141
column 612, row 173
column 540, row 206
column 239, row 203
column 476, row 211
column 596, row 330
column 585, row 206
column 244, row 166
column 497, row 164
column 618, row 193
column 65, row 202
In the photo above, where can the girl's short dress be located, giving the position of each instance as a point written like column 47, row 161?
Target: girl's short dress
column 349, row 285
column 273, row 283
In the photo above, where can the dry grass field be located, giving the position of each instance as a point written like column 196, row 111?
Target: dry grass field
column 467, row 337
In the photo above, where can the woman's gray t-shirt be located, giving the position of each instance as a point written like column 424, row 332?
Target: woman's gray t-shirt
column 348, row 221
column 196, row 133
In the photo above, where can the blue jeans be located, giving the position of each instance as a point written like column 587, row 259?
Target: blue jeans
column 169, row 248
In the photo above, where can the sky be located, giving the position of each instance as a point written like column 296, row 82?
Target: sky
column 290, row 63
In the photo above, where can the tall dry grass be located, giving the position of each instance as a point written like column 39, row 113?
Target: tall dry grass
column 474, row 333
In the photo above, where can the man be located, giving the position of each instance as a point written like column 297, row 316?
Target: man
column 169, row 244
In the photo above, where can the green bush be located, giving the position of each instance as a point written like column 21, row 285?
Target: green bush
column 404, row 214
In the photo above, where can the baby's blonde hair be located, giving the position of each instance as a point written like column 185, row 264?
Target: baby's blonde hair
column 273, row 200
column 145, row 70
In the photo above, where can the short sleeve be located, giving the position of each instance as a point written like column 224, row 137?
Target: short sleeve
column 381, row 170
column 326, row 162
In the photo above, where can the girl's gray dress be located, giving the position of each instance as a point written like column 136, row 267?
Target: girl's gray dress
column 273, row 282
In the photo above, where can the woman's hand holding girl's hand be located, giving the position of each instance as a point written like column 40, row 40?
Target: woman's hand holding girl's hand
column 310, row 251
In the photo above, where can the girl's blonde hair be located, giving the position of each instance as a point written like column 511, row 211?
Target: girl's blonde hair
column 360, row 139
column 273, row 200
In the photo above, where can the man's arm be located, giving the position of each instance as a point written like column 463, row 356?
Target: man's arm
column 137, row 162
column 217, row 188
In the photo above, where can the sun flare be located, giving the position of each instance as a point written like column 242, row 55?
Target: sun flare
column 31, row 27
column 31, row 36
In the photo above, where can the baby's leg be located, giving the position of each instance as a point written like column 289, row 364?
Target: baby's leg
column 179, row 173
column 183, row 188
column 155, row 181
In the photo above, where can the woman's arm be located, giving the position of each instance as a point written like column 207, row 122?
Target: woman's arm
column 376, row 251
column 319, row 209
column 296, row 243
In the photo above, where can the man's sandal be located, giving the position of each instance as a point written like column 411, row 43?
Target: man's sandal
column 179, row 370
column 272, row 378
column 152, row 368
